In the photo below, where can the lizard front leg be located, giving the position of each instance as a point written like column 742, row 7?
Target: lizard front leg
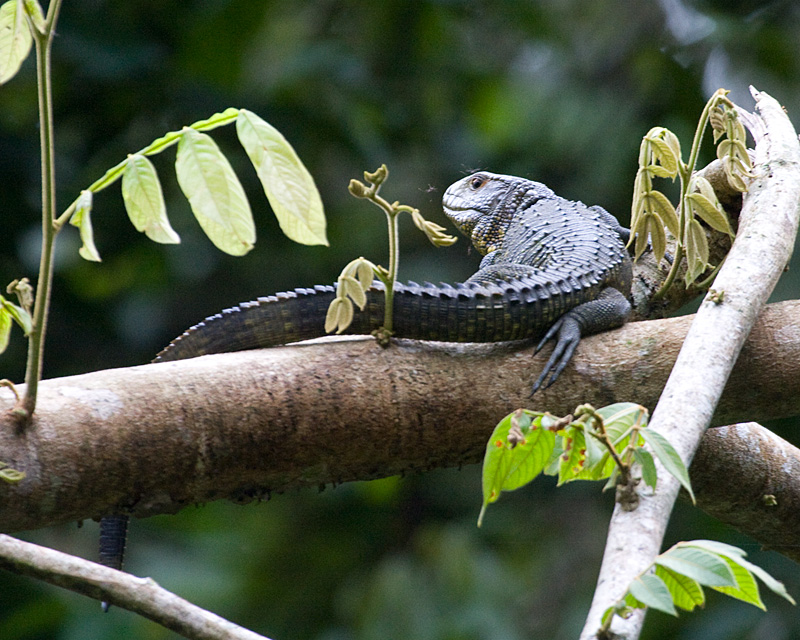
column 609, row 310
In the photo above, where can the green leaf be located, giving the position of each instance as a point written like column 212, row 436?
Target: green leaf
column 651, row 591
column 619, row 417
column 214, row 193
column 696, row 251
column 747, row 587
column 362, row 270
column 658, row 238
column 657, row 171
column 720, row 548
column 572, row 460
column 658, row 204
column 144, row 201
column 287, row 183
column 737, row 555
column 665, row 148
column 18, row 314
column 5, row 328
column 666, row 453
column 776, row 586
column 645, row 459
column 82, row 219
column 710, row 211
column 15, row 39
column 507, row 467
column 704, row 566
column 686, row 593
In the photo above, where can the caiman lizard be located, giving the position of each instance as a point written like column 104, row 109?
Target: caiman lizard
column 552, row 269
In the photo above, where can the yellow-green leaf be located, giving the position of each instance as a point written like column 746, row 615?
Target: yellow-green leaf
column 287, row 183
column 656, row 202
column 15, row 39
column 339, row 316
column 214, row 193
column 144, row 201
column 665, row 148
column 349, row 286
column 82, row 219
column 658, row 238
column 696, row 250
column 507, row 467
column 747, row 587
column 5, row 329
column 737, row 556
column 710, row 212
column 18, row 314
column 686, row 592
column 362, row 270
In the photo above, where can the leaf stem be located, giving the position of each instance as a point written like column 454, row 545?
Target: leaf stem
column 157, row 146
column 33, row 371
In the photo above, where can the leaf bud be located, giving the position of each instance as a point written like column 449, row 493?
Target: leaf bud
column 378, row 176
column 357, row 189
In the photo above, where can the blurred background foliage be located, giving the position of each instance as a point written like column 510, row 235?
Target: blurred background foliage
column 556, row 90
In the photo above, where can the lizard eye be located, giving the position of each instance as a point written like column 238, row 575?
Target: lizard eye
column 477, row 182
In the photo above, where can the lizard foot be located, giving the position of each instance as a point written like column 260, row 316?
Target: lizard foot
column 568, row 331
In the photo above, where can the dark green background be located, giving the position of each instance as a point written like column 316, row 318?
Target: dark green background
column 560, row 91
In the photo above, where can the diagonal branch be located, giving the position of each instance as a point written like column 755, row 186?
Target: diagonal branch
column 140, row 595
column 763, row 246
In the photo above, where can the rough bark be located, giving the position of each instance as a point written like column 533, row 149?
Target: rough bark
column 153, row 439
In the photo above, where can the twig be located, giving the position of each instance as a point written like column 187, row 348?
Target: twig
column 140, row 595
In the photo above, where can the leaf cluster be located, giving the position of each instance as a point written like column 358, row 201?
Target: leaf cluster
column 213, row 190
column 652, row 214
column 594, row 444
column 677, row 576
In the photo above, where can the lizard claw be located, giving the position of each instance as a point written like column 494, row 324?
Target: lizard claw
column 569, row 335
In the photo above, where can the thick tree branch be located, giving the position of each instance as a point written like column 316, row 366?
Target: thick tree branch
column 140, row 595
column 763, row 246
column 153, row 439
column 766, row 499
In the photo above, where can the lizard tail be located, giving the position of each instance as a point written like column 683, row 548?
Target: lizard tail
column 512, row 307
column 113, row 534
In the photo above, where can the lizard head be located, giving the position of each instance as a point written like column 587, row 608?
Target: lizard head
column 483, row 204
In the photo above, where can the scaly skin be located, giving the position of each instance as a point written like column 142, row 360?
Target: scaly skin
column 552, row 269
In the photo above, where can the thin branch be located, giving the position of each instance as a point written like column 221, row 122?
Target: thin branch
column 762, row 248
column 140, row 595
column 33, row 371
